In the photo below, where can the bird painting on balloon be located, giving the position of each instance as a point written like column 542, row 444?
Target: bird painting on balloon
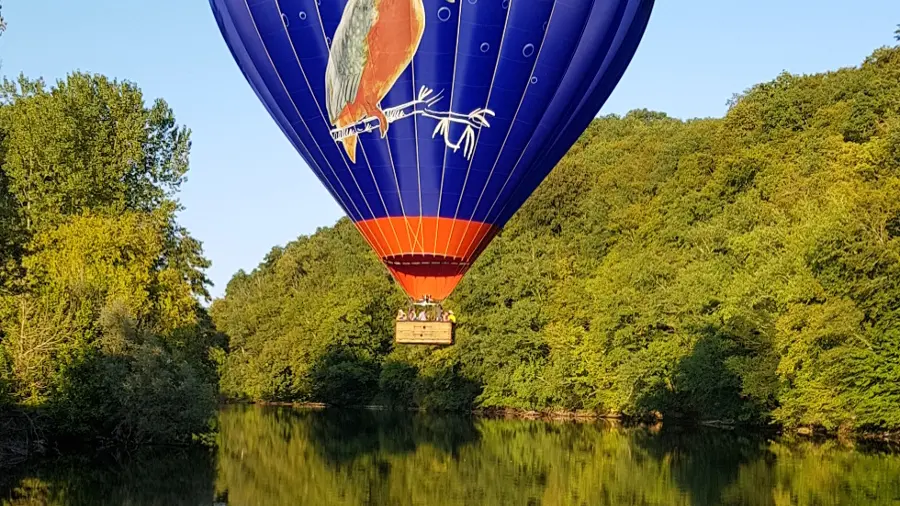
column 386, row 100
column 372, row 46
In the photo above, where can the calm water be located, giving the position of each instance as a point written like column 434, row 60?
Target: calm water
column 280, row 456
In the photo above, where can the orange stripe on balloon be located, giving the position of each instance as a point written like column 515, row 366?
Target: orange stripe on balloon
column 419, row 266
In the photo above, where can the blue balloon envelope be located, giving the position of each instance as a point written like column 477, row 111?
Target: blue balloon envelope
column 432, row 121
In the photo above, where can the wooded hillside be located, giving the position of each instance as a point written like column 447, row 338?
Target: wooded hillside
column 745, row 268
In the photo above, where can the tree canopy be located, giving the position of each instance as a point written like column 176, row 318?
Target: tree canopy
column 744, row 268
column 101, row 326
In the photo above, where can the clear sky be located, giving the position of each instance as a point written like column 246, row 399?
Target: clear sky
column 248, row 190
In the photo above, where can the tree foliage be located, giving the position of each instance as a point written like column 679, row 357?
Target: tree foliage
column 101, row 329
column 743, row 268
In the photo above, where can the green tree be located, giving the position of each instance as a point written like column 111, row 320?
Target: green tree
column 100, row 323
column 89, row 143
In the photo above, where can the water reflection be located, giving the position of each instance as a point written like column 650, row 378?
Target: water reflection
column 170, row 478
column 280, row 456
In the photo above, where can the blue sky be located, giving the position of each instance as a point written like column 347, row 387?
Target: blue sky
column 248, row 190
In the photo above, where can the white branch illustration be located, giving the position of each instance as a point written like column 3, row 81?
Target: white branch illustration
column 422, row 105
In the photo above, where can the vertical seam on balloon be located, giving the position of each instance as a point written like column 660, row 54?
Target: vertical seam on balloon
column 322, row 115
column 555, row 93
column 300, row 116
column 387, row 141
column 399, row 196
column 541, row 158
column 478, row 135
column 344, row 156
column 412, row 66
column 296, row 109
column 314, row 167
column 378, row 189
column 412, row 242
column 628, row 29
column 437, row 226
column 512, row 123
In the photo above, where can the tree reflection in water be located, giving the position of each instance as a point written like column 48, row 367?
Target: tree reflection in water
column 281, row 456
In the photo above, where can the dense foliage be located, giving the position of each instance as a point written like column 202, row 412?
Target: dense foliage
column 101, row 329
column 744, row 268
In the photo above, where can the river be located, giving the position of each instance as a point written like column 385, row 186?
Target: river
column 277, row 456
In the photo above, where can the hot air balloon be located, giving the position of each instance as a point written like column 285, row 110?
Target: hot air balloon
column 432, row 121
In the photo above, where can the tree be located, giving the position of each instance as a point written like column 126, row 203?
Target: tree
column 100, row 323
column 90, row 143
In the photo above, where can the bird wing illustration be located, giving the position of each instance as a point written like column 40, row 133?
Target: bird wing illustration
column 349, row 54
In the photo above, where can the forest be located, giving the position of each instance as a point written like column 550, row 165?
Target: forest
column 103, row 335
column 743, row 269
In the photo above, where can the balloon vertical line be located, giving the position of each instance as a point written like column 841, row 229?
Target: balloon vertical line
column 387, row 140
column 511, row 125
column 378, row 189
column 539, row 159
column 412, row 66
column 487, row 105
column 379, row 251
column 645, row 6
column 399, row 195
column 323, row 116
column 437, row 226
column 516, row 114
column 512, row 171
column 225, row 15
column 291, row 98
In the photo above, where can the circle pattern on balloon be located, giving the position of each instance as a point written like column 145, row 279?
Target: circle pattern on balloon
column 302, row 15
column 444, row 13
column 528, row 50
column 485, row 47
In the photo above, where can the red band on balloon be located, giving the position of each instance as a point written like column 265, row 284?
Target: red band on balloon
column 427, row 255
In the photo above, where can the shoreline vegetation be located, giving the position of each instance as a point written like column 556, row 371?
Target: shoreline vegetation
column 743, row 271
